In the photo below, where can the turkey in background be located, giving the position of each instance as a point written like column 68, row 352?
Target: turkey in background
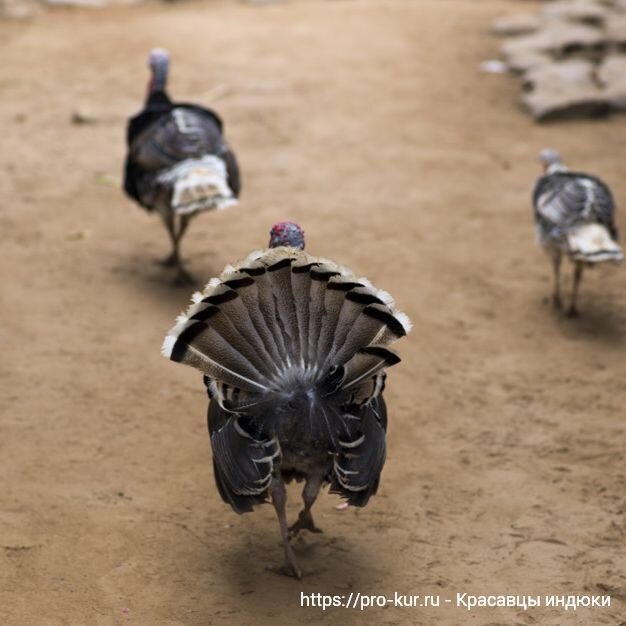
column 294, row 350
column 574, row 215
column 178, row 163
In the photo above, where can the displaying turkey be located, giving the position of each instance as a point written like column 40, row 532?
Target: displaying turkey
column 294, row 350
column 178, row 163
column 574, row 215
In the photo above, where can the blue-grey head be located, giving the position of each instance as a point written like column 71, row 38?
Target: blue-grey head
column 287, row 234
column 159, row 64
column 551, row 160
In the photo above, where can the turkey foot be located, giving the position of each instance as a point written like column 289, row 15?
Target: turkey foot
column 183, row 278
column 304, row 522
column 168, row 261
column 288, row 569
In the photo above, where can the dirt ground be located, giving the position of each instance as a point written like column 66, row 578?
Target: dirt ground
column 369, row 123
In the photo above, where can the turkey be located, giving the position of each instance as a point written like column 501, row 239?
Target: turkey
column 293, row 349
column 574, row 215
column 178, row 163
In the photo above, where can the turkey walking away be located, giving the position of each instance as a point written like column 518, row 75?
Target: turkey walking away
column 293, row 349
column 574, row 216
column 178, row 163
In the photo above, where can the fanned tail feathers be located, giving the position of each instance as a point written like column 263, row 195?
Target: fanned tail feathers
column 198, row 185
column 593, row 243
column 283, row 314
column 284, row 327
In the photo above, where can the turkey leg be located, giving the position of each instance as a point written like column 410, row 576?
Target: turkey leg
column 578, row 274
column 556, row 264
column 176, row 234
column 305, row 519
column 279, row 500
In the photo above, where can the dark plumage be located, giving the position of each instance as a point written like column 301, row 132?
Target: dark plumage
column 574, row 215
column 294, row 350
column 178, row 163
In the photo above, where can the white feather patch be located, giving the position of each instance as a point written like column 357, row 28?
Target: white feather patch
column 210, row 286
column 404, row 320
column 593, row 243
column 182, row 324
column 196, row 307
column 385, row 297
column 168, row 346
column 198, row 184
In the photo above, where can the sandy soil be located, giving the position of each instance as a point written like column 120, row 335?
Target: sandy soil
column 369, row 123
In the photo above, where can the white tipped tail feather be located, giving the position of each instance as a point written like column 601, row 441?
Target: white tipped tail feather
column 198, row 185
column 593, row 243
column 168, row 346
column 404, row 319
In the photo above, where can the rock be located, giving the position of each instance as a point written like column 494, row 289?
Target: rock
column 75, row 3
column 612, row 76
column 107, row 180
column 558, row 39
column 23, row 9
column 564, row 90
column 583, row 11
column 521, row 24
column 494, row 66
column 81, row 116
column 572, row 56
column 18, row 9
column 77, row 235
column 521, row 61
column 616, row 29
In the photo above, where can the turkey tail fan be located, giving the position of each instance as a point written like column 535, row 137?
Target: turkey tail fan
column 283, row 317
column 592, row 243
column 366, row 364
column 197, row 185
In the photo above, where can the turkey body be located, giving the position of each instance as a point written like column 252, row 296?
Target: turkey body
column 566, row 201
column 303, row 449
column 294, row 351
column 164, row 135
column 178, row 165
column 574, row 216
